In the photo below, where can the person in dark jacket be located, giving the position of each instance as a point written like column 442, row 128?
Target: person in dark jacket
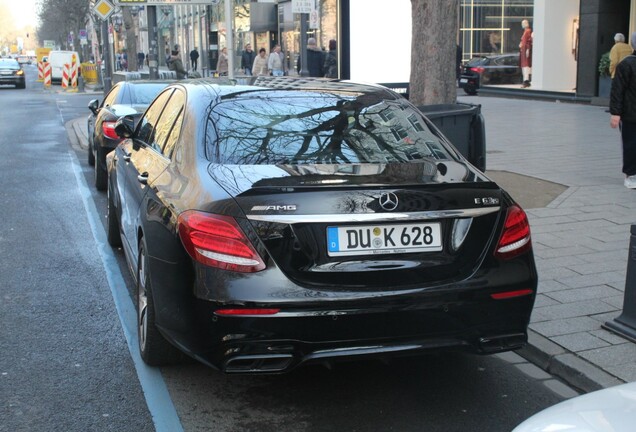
column 175, row 64
column 331, row 61
column 315, row 60
column 623, row 112
column 247, row 59
column 194, row 58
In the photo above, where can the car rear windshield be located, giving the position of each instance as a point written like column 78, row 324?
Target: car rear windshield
column 143, row 94
column 477, row 61
column 278, row 127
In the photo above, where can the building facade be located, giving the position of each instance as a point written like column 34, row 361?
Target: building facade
column 569, row 36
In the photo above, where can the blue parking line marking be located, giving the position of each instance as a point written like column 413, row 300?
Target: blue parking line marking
column 164, row 414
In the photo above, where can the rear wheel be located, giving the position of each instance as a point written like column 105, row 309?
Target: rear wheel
column 113, row 233
column 470, row 90
column 91, row 155
column 101, row 176
column 154, row 348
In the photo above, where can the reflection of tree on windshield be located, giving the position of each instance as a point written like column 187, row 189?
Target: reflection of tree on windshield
column 274, row 128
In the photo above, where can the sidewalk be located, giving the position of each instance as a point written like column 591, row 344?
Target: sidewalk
column 562, row 162
column 580, row 237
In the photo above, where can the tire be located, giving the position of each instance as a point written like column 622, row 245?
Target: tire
column 20, row 86
column 470, row 90
column 155, row 350
column 91, row 154
column 113, row 233
column 101, row 175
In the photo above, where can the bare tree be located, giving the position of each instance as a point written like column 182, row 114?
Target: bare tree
column 58, row 18
column 433, row 52
column 131, row 39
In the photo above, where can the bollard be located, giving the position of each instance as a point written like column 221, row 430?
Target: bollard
column 625, row 324
column 80, row 84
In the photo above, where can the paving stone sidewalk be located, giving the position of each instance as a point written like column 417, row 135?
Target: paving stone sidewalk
column 580, row 237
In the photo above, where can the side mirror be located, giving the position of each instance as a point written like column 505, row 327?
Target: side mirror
column 93, row 106
column 125, row 127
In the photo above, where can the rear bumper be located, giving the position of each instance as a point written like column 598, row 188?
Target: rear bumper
column 461, row 317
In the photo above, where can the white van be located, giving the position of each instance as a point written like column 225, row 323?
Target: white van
column 58, row 59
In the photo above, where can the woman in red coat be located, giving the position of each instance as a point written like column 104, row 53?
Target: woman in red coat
column 525, row 53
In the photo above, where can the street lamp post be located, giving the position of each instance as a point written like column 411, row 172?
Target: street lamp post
column 153, row 49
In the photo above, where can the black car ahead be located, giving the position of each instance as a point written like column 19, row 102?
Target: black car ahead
column 479, row 71
column 11, row 73
column 126, row 97
column 307, row 221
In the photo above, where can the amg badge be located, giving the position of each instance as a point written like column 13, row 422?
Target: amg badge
column 289, row 207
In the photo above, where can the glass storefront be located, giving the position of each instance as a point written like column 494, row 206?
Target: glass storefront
column 489, row 27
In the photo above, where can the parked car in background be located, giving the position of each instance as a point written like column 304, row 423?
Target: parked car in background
column 307, row 220
column 24, row 59
column 609, row 410
column 499, row 69
column 126, row 97
column 11, row 73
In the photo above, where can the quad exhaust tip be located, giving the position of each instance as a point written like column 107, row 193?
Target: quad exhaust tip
column 258, row 363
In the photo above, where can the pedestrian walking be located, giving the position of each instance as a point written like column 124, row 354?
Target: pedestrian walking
column 331, row 61
column 315, row 60
column 247, row 59
column 140, row 59
column 275, row 62
column 259, row 68
column 194, row 58
column 619, row 51
column 623, row 112
column 222, row 63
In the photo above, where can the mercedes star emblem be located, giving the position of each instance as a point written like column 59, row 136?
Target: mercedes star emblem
column 388, row 201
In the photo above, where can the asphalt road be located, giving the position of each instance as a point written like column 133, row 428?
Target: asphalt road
column 65, row 357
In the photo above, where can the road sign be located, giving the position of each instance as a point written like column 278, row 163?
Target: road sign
column 49, row 44
column 104, row 9
column 302, row 6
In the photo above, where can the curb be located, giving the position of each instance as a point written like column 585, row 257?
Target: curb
column 565, row 365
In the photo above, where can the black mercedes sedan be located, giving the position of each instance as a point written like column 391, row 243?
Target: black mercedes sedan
column 498, row 69
column 308, row 220
column 125, row 97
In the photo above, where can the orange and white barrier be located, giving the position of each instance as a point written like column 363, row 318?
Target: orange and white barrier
column 65, row 74
column 73, row 75
column 46, row 72
column 40, row 71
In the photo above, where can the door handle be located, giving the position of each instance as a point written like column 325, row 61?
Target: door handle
column 143, row 178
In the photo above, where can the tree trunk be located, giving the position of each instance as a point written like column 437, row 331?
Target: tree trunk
column 433, row 52
column 131, row 39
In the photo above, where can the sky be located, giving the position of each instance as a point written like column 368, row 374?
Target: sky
column 23, row 11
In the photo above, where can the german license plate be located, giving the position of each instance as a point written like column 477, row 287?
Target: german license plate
column 463, row 80
column 384, row 239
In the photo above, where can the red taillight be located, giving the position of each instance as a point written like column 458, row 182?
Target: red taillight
column 515, row 238
column 246, row 312
column 218, row 241
column 511, row 294
column 479, row 70
column 108, row 128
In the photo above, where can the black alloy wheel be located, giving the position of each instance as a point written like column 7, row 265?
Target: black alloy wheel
column 155, row 350
column 101, row 175
column 91, row 155
column 113, row 234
